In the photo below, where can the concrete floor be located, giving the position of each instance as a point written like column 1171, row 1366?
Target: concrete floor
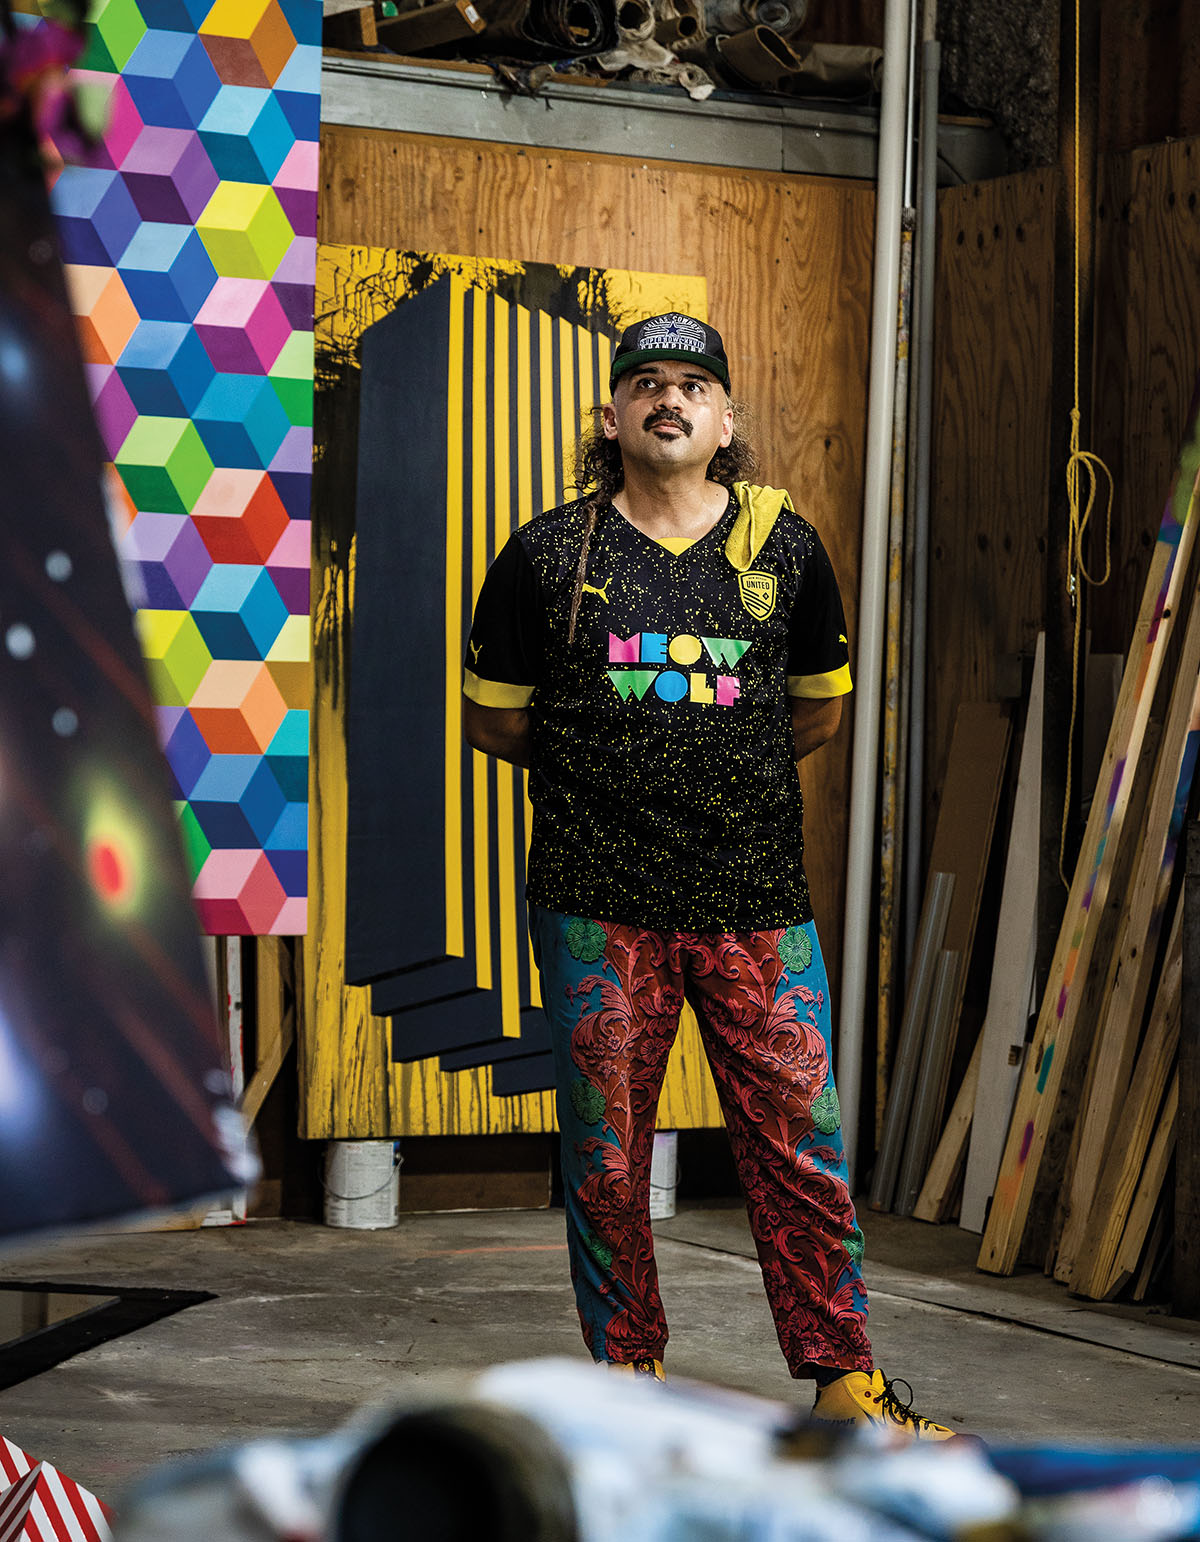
column 311, row 1323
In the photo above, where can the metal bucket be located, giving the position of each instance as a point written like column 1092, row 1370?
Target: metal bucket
column 362, row 1184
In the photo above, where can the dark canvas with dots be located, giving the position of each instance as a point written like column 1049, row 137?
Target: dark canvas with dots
column 113, row 1095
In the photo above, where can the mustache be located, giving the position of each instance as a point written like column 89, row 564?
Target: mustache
column 666, row 415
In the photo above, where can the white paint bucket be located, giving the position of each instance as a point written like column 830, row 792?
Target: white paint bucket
column 362, row 1184
column 664, row 1174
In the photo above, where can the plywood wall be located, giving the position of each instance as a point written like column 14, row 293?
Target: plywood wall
column 1147, row 356
column 991, row 447
column 787, row 262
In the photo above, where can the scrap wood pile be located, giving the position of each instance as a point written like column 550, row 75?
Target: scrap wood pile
column 742, row 45
column 1059, row 1141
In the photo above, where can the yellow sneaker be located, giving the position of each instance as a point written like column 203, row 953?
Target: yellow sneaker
column 859, row 1398
column 648, row 1368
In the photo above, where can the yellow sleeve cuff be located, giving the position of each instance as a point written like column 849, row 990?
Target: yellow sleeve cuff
column 836, row 683
column 496, row 693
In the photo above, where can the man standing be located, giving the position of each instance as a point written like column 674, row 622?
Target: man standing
column 660, row 654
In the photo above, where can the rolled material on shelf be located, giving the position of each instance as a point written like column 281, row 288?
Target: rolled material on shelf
column 652, row 61
column 781, row 15
column 732, row 16
column 635, row 21
column 758, row 56
column 678, row 22
column 837, row 69
column 549, row 29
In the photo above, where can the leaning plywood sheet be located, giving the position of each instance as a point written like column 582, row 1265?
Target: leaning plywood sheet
column 937, row 1194
column 1097, row 1267
column 1132, row 964
column 1002, row 1040
column 1041, row 1077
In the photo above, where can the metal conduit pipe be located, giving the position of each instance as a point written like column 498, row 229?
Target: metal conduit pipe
column 922, row 449
column 873, row 578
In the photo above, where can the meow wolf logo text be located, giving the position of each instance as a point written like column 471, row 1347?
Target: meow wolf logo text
column 659, row 652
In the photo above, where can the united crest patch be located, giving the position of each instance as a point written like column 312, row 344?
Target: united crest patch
column 758, row 593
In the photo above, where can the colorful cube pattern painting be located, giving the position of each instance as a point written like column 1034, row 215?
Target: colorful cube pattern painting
column 190, row 244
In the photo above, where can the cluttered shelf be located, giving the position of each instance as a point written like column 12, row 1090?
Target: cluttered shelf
column 503, row 87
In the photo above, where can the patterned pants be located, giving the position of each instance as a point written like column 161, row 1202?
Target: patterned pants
column 613, row 994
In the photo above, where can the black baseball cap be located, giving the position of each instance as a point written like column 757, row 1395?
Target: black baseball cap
column 672, row 336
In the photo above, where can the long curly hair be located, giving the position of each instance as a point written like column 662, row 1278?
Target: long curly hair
column 600, row 475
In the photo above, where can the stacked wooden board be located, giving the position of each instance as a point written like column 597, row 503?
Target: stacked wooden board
column 1092, row 1129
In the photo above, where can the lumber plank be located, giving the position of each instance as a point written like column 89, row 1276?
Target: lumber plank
column 1185, row 1262
column 275, row 1021
column 1002, row 1039
column 1062, row 1142
column 937, row 1192
column 1149, row 1192
column 1041, row 1076
column 1134, row 1130
column 1132, row 964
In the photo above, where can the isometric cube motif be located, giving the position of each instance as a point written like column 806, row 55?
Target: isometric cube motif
column 104, row 105
column 248, row 41
column 175, row 653
column 237, row 891
column 245, row 230
column 290, row 662
column 171, row 558
column 191, row 237
column 289, row 566
column 243, row 326
column 97, row 218
column 296, row 187
column 293, row 281
column 240, row 518
column 115, row 412
column 237, row 707
column 187, row 753
column 196, row 847
column 116, row 28
column 164, row 464
column 167, row 271
column 246, row 134
column 237, row 800
column 165, row 368
column 175, row 15
column 295, row 97
column 240, row 420
column 105, row 313
column 287, row 755
column 238, row 611
column 171, row 78
column 169, row 175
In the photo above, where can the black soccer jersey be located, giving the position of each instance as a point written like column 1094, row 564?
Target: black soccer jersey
column 664, row 782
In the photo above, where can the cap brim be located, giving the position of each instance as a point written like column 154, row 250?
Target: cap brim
column 637, row 356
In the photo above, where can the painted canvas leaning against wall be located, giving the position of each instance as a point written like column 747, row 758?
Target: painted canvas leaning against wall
column 450, row 394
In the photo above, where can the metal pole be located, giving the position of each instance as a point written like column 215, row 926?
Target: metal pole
column 872, row 582
column 922, row 451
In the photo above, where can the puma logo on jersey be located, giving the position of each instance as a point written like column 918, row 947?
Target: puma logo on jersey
column 603, row 593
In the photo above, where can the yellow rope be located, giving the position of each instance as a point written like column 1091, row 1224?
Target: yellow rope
column 1079, row 463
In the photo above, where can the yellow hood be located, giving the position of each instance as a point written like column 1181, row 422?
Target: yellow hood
column 758, row 509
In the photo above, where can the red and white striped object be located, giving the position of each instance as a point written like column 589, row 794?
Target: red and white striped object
column 40, row 1504
column 14, row 1463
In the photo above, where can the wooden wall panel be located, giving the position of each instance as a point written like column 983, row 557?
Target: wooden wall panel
column 787, row 262
column 1147, row 357
column 995, row 272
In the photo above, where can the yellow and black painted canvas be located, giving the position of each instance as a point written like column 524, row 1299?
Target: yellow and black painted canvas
column 450, row 394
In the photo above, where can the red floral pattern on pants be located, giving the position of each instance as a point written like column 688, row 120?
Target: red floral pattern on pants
column 765, row 1027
